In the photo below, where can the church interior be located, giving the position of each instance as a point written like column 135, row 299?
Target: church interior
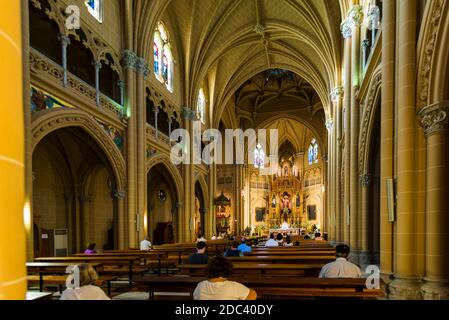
column 116, row 105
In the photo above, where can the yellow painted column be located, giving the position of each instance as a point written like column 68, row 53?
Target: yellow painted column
column 387, row 132
column 435, row 121
column 347, row 34
column 406, row 282
column 12, row 230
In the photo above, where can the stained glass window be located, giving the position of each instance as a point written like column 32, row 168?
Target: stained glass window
column 201, row 106
column 156, row 57
column 95, row 8
column 313, row 152
column 259, row 157
column 163, row 59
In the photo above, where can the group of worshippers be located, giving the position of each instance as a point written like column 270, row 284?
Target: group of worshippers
column 219, row 269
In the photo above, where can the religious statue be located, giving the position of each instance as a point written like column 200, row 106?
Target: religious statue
column 285, row 202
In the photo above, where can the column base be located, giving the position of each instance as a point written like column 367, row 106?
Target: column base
column 435, row 290
column 404, row 289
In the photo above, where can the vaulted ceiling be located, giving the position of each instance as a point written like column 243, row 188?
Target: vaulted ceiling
column 223, row 43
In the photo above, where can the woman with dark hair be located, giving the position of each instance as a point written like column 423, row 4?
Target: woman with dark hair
column 90, row 248
column 217, row 287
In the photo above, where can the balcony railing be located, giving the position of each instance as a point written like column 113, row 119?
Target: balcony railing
column 40, row 64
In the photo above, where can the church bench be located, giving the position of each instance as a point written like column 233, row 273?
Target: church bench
column 115, row 265
column 269, row 288
column 250, row 269
column 290, row 253
column 284, row 259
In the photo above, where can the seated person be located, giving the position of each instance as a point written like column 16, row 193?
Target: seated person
column 214, row 237
column 85, row 289
column 341, row 267
column 307, row 237
column 200, row 257
column 244, row 247
column 217, row 287
column 280, row 239
column 145, row 244
column 288, row 243
column 271, row 242
column 318, row 236
column 90, row 248
column 233, row 251
column 201, row 238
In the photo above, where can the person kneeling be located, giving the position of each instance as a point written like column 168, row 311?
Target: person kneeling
column 217, row 287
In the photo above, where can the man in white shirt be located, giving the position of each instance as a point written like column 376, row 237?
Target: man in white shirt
column 341, row 267
column 271, row 242
column 145, row 244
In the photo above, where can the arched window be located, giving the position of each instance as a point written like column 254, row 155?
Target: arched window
column 201, row 106
column 313, row 152
column 259, row 157
column 163, row 58
column 95, row 8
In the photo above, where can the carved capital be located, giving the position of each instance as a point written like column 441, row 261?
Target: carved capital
column 129, row 59
column 373, row 18
column 188, row 114
column 434, row 118
column 355, row 16
column 366, row 44
column 119, row 194
column 142, row 67
column 365, row 180
column 337, row 93
column 329, row 124
column 346, row 29
column 65, row 40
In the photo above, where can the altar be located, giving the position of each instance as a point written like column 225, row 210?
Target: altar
column 294, row 231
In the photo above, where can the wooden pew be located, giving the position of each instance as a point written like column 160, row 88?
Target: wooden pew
column 56, row 273
column 251, row 269
column 269, row 288
column 274, row 259
column 290, row 253
column 112, row 265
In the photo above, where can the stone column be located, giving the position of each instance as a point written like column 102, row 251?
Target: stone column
column 119, row 196
column 356, row 18
column 347, row 33
column 13, row 282
column 387, row 132
column 435, row 121
column 329, row 224
column 97, row 66
column 129, row 60
column 65, row 42
column 186, row 223
column 406, row 283
column 142, row 72
column 212, row 190
column 366, row 227
column 27, row 122
column 337, row 97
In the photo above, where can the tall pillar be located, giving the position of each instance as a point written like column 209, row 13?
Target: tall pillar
column 186, row 229
column 435, row 121
column 356, row 18
column 347, row 33
column 12, row 193
column 212, row 191
column 330, row 190
column 119, row 195
column 27, row 122
column 387, row 132
column 406, row 283
column 337, row 96
column 129, row 60
column 142, row 71
column 365, row 256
